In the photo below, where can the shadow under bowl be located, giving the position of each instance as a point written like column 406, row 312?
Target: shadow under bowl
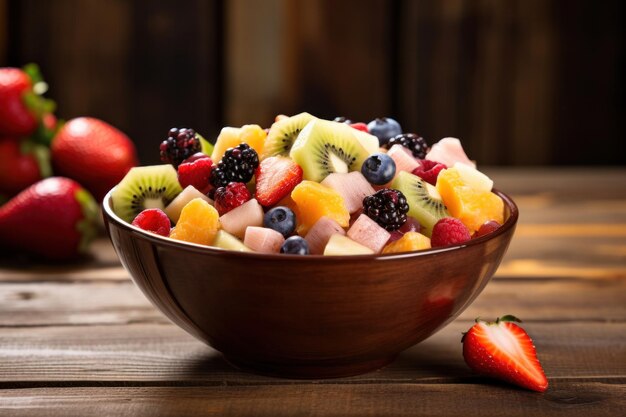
column 308, row 316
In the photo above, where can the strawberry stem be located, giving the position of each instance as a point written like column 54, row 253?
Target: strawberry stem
column 508, row 317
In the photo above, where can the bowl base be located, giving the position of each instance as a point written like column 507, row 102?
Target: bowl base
column 309, row 371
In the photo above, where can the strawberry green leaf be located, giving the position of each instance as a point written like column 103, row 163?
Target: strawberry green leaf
column 508, row 317
column 33, row 72
column 41, row 154
column 88, row 225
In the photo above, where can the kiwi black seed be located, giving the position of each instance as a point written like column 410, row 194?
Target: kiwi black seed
column 425, row 203
column 283, row 134
column 324, row 147
column 145, row 187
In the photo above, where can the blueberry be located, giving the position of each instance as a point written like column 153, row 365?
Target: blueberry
column 378, row 169
column 384, row 128
column 281, row 219
column 295, row 245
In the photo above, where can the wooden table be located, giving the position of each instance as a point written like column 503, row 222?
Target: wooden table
column 80, row 339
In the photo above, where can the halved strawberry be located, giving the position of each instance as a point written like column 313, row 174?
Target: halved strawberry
column 360, row 126
column 503, row 350
column 275, row 178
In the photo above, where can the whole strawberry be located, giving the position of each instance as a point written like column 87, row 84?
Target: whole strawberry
column 503, row 350
column 93, row 153
column 21, row 105
column 53, row 218
column 22, row 163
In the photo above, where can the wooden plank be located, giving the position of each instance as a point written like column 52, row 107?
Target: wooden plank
column 329, row 399
column 164, row 353
column 25, row 304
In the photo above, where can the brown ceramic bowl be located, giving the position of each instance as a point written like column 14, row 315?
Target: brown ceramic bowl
column 308, row 316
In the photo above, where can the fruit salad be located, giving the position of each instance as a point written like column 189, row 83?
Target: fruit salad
column 309, row 186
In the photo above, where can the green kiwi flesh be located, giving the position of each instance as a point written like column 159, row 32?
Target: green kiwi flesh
column 425, row 203
column 145, row 187
column 283, row 134
column 324, row 147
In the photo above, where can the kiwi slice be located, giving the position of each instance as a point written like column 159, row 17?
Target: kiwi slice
column 283, row 134
column 324, row 147
column 145, row 187
column 425, row 203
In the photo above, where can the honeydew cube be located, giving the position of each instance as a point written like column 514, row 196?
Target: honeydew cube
column 237, row 220
column 341, row 245
column 318, row 236
column 263, row 240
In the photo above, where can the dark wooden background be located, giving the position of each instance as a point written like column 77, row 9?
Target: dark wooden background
column 522, row 82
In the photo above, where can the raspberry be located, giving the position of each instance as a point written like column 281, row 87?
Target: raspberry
column 179, row 145
column 196, row 173
column 237, row 165
column 415, row 143
column 231, row 196
column 429, row 170
column 387, row 207
column 449, row 231
column 153, row 220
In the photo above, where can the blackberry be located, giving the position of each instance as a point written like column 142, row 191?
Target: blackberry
column 237, row 165
column 386, row 207
column 179, row 145
column 415, row 143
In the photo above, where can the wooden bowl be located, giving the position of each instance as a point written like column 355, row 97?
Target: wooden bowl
column 308, row 316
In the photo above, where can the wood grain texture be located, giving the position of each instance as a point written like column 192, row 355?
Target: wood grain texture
column 145, row 353
column 335, row 399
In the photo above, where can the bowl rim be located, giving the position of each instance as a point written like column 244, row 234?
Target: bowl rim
column 111, row 217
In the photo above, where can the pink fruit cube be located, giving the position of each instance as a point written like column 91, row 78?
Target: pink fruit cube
column 353, row 187
column 403, row 159
column 318, row 235
column 449, row 151
column 368, row 233
column 263, row 240
column 237, row 220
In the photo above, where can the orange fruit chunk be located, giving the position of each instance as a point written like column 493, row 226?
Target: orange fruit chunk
column 198, row 223
column 313, row 201
column 230, row 137
column 473, row 207
column 411, row 241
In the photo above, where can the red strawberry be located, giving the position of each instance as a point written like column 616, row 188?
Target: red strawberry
column 503, row 350
column 94, row 153
column 22, row 163
column 21, row 106
column 54, row 218
column 275, row 178
column 360, row 126
column 196, row 171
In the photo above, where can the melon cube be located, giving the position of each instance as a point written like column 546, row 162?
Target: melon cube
column 174, row 208
column 352, row 186
column 318, row 235
column 237, row 220
column 411, row 241
column 341, row 245
column 368, row 233
column 403, row 159
column 315, row 201
column 449, row 151
column 263, row 240
column 225, row 240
